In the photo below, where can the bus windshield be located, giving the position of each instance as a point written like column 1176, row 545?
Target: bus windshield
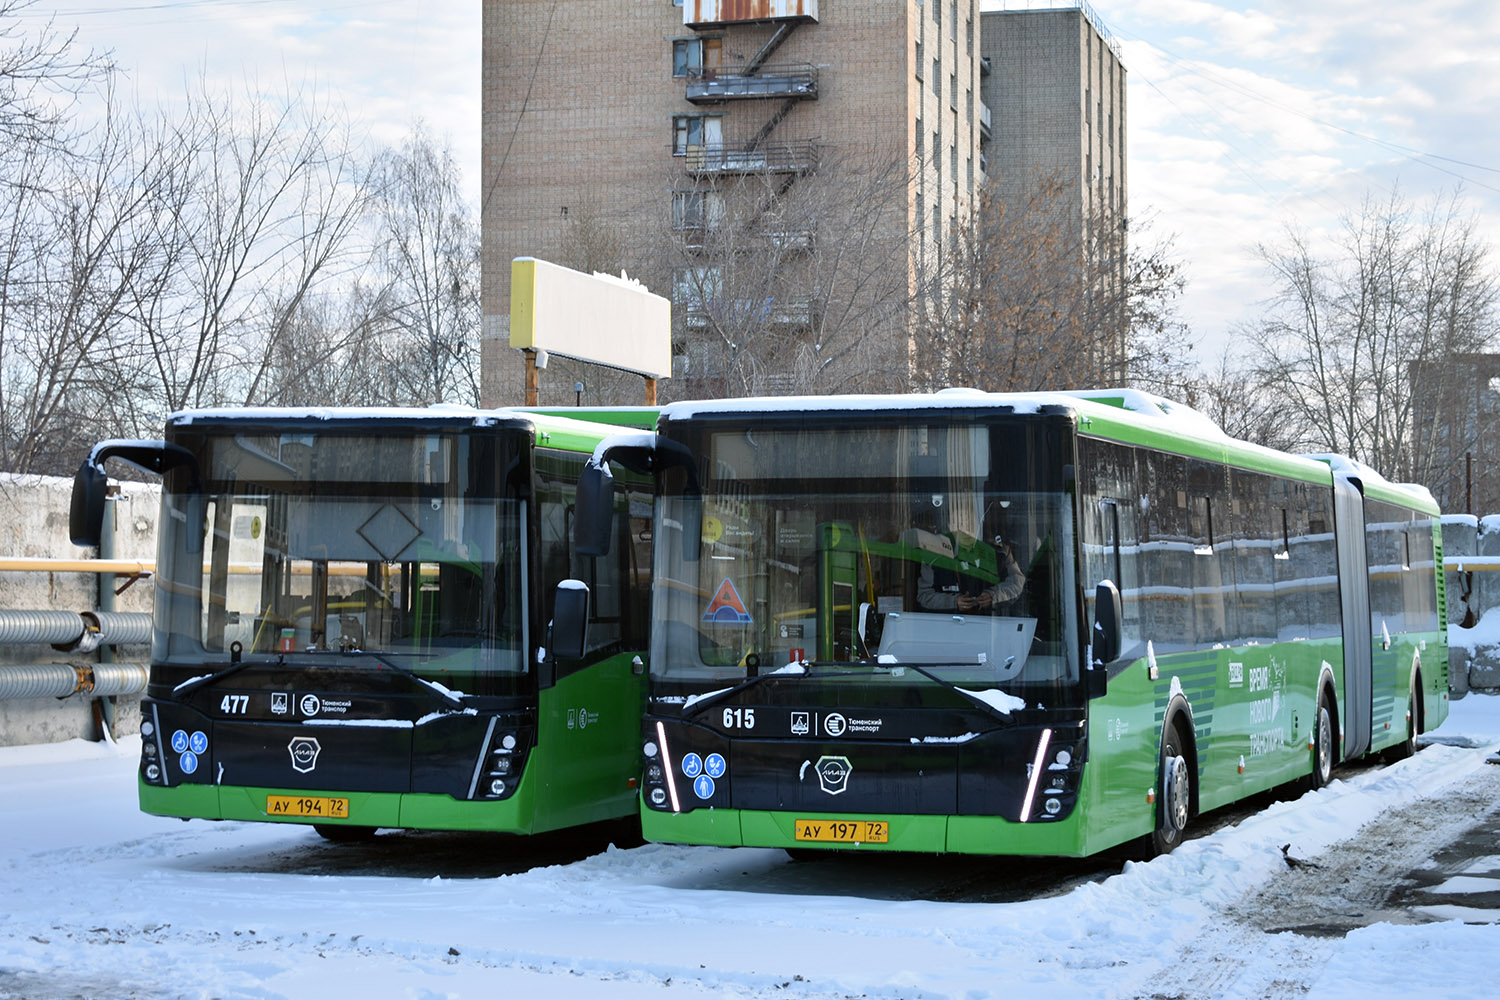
column 332, row 546
column 938, row 550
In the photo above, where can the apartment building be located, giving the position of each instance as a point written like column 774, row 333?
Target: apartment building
column 1056, row 89
column 789, row 172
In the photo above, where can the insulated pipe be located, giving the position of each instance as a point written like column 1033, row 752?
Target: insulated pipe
column 52, row 627
column 66, row 628
column 61, row 680
column 38, row 680
column 111, row 679
column 120, row 628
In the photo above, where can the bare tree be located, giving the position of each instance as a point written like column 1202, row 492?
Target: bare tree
column 1035, row 296
column 41, row 77
column 78, row 248
column 270, row 198
column 790, row 281
column 1355, row 343
column 428, row 248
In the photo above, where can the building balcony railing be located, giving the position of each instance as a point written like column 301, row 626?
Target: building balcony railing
column 716, row 84
column 800, row 311
column 796, row 157
column 697, row 236
column 711, row 13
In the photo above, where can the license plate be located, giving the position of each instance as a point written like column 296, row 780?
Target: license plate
column 843, row 831
column 318, row 807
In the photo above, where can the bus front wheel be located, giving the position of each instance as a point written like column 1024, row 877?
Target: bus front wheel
column 1175, row 799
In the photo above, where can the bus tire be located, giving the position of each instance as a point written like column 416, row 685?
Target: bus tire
column 1325, row 738
column 344, row 834
column 1408, row 746
column 1175, row 798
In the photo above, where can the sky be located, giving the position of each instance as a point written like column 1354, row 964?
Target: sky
column 1244, row 119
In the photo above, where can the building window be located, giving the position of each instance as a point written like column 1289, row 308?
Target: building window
column 953, row 91
column 920, row 139
column 691, row 55
column 688, row 132
column 937, row 78
column 953, row 19
column 919, row 60
column 687, row 57
column 953, row 163
column 969, row 35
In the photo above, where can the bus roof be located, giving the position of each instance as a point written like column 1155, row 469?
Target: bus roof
column 1129, row 416
column 567, row 432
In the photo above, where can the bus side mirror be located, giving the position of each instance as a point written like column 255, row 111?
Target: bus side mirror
column 594, row 511
column 570, row 621
column 86, row 512
column 1108, row 618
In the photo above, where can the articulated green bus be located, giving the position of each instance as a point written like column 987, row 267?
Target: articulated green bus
column 374, row 618
column 1011, row 624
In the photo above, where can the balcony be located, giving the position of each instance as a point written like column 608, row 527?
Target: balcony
column 717, row 84
column 796, row 157
column 743, row 314
column 713, row 13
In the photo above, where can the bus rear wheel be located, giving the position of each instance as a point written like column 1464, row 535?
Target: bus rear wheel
column 1176, row 794
column 1322, row 762
column 1408, row 746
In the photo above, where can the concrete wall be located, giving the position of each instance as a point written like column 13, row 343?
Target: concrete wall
column 34, row 524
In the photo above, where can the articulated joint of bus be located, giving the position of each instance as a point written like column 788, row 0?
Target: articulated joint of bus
column 849, row 761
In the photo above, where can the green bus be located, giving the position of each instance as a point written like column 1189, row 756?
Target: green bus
column 1011, row 624
column 371, row 618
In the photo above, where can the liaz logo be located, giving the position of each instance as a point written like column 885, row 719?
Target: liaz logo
column 304, row 751
column 833, row 774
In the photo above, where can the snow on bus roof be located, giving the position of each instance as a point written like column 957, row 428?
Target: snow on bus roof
column 333, row 413
column 446, row 411
column 1355, row 469
column 1136, row 401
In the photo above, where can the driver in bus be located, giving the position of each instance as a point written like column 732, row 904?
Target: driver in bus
column 947, row 587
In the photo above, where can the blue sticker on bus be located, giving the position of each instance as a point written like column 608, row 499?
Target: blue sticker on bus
column 714, row 765
column 704, row 787
column 189, row 762
column 198, row 742
column 692, row 765
column 726, row 608
column 180, row 741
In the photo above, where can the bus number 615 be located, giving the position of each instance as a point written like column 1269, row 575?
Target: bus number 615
column 739, row 718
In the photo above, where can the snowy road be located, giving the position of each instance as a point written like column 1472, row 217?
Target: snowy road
column 99, row 901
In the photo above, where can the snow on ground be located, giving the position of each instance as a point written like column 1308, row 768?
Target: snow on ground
column 98, row 900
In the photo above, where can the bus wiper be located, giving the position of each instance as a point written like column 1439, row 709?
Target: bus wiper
column 969, row 695
column 714, row 697
column 236, row 664
column 387, row 659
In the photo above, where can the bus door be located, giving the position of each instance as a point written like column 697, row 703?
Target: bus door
column 1354, row 596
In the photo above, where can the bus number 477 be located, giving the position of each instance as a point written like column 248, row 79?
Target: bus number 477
column 235, row 704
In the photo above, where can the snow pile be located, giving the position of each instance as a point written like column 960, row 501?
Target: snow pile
column 97, row 899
